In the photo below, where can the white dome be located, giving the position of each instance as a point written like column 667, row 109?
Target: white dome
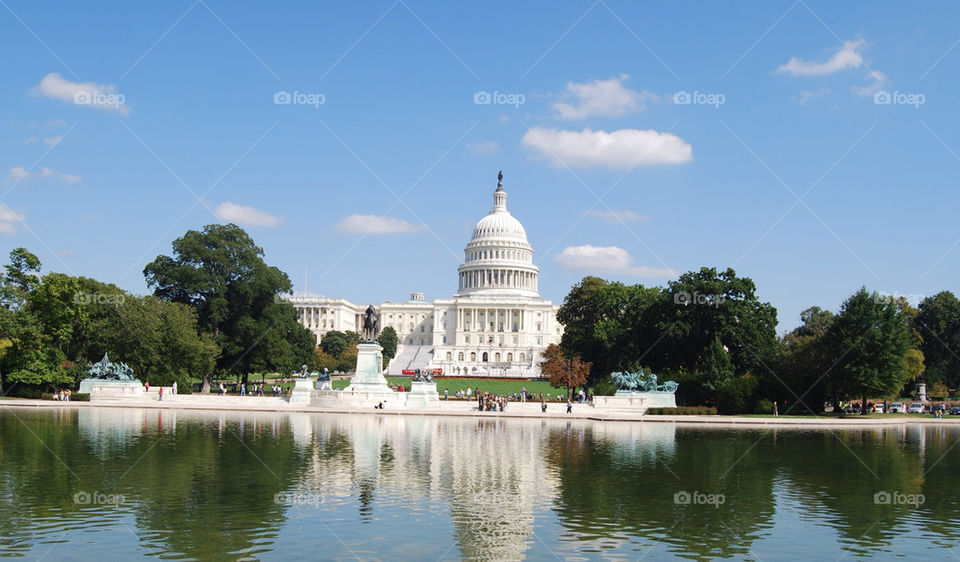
column 499, row 225
column 498, row 259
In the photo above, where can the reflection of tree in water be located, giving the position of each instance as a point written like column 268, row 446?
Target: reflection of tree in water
column 608, row 491
column 365, row 498
column 839, row 473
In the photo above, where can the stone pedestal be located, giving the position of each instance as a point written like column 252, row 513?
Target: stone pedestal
column 323, row 385
column 300, row 395
column 369, row 374
column 423, row 395
column 920, row 395
column 100, row 389
column 638, row 402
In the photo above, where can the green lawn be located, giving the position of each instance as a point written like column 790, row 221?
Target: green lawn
column 485, row 385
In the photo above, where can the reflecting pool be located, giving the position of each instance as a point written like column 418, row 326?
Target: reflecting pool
column 108, row 483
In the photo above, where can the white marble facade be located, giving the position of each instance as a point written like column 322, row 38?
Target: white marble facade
column 496, row 324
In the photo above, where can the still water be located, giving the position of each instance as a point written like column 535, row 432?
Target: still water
column 104, row 484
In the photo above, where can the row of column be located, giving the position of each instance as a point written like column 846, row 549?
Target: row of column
column 503, row 320
column 311, row 317
column 510, row 278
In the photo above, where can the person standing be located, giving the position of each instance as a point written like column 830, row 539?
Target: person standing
column 446, row 394
column 160, row 393
column 775, row 413
column 569, row 406
column 173, row 388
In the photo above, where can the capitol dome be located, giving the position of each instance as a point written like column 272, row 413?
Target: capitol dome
column 498, row 259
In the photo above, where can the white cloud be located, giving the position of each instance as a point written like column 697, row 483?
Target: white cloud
column 486, row 147
column 600, row 97
column 46, row 140
column 244, row 215
column 19, row 173
column 7, row 217
column 617, row 150
column 606, row 259
column 845, row 58
column 625, row 215
column 879, row 80
column 373, row 224
column 102, row 96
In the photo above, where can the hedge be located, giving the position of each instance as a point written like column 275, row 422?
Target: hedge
column 684, row 411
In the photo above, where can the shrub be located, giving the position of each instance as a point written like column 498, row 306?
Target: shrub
column 683, row 411
column 80, row 397
column 737, row 395
column 763, row 406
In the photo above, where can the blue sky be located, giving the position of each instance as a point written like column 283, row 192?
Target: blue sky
column 812, row 146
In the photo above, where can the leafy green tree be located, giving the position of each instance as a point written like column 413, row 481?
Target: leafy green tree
column 705, row 306
column 334, row 343
column 799, row 381
column 938, row 323
column 607, row 324
column 871, row 338
column 388, row 341
column 20, row 278
column 221, row 273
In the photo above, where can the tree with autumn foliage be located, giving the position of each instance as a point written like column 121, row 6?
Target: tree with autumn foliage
column 570, row 372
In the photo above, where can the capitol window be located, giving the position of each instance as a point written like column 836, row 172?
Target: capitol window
column 496, row 357
column 460, row 356
column 449, row 355
column 473, row 356
column 486, row 357
column 523, row 357
column 509, row 358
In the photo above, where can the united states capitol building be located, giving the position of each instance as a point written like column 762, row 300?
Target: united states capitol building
column 495, row 325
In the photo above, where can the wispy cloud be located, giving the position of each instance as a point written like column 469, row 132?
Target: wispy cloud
column 46, row 140
column 845, row 58
column 600, row 98
column 19, row 173
column 373, row 224
column 8, row 218
column 101, row 96
column 244, row 215
column 606, row 259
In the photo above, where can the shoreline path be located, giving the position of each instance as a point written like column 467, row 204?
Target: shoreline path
column 461, row 408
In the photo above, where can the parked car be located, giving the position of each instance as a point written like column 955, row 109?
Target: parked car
column 955, row 411
column 896, row 408
column 938, row 408
column 915, row 408
column 878, row 408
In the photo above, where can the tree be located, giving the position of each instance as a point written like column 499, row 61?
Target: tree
column 563, row 371
column 938, row 323
column 20, row 278
column 871, row 338
column 804, row 360
column 221, row 273
column 608, row 324
column 334, row 343
column 388, row 341
column 706, row 305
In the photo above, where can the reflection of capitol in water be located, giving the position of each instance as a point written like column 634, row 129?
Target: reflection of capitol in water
column 493, row 473
column 490, row 476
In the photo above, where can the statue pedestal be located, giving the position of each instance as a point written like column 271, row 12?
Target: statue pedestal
column 369, row 374
column 423, row 395
column 323, row 385
column 300, row 395
column 108, row 389
column 638, row 402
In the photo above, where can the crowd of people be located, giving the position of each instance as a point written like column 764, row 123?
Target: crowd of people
column 62, row 395
column 255, row 390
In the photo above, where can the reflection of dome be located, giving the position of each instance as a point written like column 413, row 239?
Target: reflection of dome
column 498, row 259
